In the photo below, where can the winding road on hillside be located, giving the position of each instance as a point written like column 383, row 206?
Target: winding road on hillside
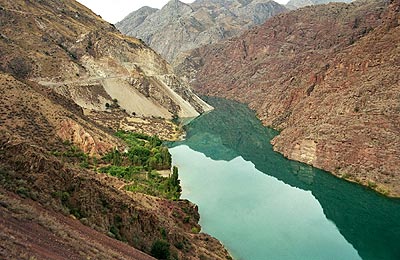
column 87, row 81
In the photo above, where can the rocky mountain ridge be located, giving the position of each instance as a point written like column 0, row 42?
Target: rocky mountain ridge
column 327, row 77
column 295, row 4
column 179, row 27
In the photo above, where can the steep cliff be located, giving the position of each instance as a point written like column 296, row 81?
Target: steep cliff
column 327, row 77
column 179, row 27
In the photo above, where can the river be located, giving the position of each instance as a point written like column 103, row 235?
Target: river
column 262, row 206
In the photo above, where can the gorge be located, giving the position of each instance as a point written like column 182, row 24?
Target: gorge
column 108, row 151
column 327, row 77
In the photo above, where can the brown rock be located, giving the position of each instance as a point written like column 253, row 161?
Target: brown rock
column 76, row 134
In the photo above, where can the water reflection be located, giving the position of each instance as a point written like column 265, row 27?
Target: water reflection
column 370, row 222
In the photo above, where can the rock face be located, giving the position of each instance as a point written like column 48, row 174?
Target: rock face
column 327, row 77
column 179, row 27
column 136, row 18
column 294, row 4
column 66, row 47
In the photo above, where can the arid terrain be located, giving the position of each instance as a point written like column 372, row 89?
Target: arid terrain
column 30, row 231
column 69, row 81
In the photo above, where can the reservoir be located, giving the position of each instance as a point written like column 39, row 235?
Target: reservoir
column 262, row 206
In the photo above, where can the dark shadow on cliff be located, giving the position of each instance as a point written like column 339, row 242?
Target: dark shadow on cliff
column 369, row 221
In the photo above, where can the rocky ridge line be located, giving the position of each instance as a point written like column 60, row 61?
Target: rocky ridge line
column 180, row 27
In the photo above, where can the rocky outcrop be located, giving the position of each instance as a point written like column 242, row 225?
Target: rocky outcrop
column 294, row 4
column 73, row 132
column 327, row 77
column 135, row 19
column 66, row 47
column 179, row 27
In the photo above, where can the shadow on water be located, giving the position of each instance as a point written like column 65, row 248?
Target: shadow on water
column 369, row 221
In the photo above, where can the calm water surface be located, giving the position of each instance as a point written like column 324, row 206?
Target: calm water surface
column 263, row 206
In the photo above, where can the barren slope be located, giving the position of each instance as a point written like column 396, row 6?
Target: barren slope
column 30, row 231
column 63, row 45
column 60, row 65
column 294, row 4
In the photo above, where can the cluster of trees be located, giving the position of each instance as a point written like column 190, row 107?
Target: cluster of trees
column 144, row 150
column 138, row 166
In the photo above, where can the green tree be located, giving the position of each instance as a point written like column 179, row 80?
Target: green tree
column 114, row 157
column 165, row 157
column 175, row 177
column 153, row 162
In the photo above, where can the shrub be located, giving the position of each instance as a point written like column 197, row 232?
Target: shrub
column 179, row 245
column 23, row 192
column 160, row 249
column 195, row 230
column 372, row 184
column 186, row 219
column 19, row 67
column 163, row 233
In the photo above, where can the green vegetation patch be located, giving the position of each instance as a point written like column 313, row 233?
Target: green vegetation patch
column 160, row 249
column 139, row 163
column 143, row 150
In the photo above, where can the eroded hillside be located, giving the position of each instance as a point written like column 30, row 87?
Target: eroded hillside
column 327, row 77
column 64, row 46
column 38, row 162
column 68, row 82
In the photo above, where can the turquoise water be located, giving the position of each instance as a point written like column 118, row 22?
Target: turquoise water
column 263, row 206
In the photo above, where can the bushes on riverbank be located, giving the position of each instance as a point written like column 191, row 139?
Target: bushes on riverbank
column 139, row 164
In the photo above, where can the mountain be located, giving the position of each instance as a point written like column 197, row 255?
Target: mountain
column 89, row 61
column 70, row 185
column 179, row 27
column 136, row 18
column 327, row 77
column 295, row 4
